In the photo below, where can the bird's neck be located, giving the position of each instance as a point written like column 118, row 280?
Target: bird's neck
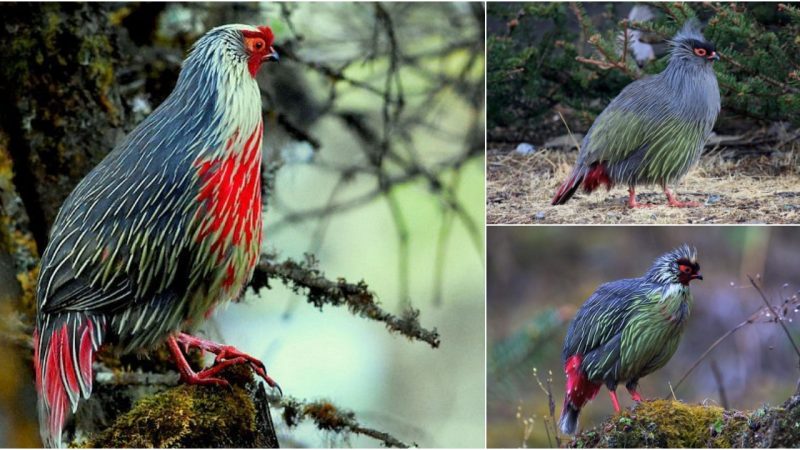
column 212, row 83
column 229, row 169
column 690, row 78
column 675, row 302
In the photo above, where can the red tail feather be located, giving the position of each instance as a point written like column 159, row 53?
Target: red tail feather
column 596, row 176
column 579, row 388
column 591, row 180
column 567, row 189
column 63, row 367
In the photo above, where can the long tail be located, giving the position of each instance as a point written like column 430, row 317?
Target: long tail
column 579, row 391
column 591, row 178
column 64, row 348
column 568, row 188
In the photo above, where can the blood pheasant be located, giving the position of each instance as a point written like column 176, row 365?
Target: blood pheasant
column 626, row 330
column 167, row 226
column 654, row 131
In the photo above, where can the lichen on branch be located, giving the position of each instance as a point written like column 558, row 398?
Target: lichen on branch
column 305, row 278
column 329, row 417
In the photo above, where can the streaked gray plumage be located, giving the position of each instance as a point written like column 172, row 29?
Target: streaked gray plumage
column 654, row 131
column 167, row 226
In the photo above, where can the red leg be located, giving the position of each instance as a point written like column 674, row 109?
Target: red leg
column 614, row 400
column 676, row 203
column 227, row 355
column 188, row 374
column 635, row 395
column 632, row 203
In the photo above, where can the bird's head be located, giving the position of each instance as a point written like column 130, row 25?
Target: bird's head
column 677, row 266
column 238, row 44
column 690, row 47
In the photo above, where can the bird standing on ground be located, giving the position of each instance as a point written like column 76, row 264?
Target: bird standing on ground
column 654, row 131
column 166, row 227
column 626, row 330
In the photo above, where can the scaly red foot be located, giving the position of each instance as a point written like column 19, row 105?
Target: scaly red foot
column 635, row 395
column 227, row 356
column 677, row 203
column 632, row 203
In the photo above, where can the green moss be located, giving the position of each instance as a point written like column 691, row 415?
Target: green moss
column 188, row 417
column 95, row 51
column 673, row 424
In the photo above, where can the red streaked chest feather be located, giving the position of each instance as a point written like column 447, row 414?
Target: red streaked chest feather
column 230, row 192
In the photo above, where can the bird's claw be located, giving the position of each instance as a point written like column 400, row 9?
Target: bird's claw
column 226, row 355
column 674, row 202
column 198, row 379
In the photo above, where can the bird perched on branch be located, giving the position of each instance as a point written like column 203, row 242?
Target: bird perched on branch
column 626, row 330
column 167, row 226
column 654, row 131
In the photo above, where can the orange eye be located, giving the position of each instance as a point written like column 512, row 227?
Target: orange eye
column 684, row 269
column 700, row 52
column 255, row 44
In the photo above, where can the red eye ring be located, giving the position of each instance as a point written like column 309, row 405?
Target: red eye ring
column 700, row 52
column 684, row 268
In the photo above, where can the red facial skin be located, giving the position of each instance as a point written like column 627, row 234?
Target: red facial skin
column 258, row 45
column 688, row 272
column 703, row 53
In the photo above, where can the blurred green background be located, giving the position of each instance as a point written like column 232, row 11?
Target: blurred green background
column 539, row 276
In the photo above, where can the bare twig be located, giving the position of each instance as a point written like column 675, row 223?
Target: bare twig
column 777, row 317
column 765, row 314
column 547, row 388
column 723, row 398
column 709, row 350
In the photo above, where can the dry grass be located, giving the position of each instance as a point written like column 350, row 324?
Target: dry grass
column 752, row 189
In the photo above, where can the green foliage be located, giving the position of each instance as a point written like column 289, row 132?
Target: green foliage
column 541, row 58
column 525, row 79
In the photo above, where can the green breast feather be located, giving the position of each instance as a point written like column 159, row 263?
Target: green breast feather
column 653, row 332
column 671, row 144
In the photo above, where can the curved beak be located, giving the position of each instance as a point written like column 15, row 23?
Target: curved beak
column 272, row 56
column 697, row 276
column 713, row 57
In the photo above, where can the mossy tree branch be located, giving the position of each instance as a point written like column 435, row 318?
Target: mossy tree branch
column 304, row 277
column 329, row 417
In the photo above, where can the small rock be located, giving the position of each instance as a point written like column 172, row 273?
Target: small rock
column 525, row 149
column 713, row 199
column 539, row 215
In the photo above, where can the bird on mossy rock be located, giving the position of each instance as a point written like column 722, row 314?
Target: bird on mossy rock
column 627, row 329
column 654, row 131
column 165, row 228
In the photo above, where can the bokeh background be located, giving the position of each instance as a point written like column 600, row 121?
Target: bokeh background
column 374, row 125
column 539, row 276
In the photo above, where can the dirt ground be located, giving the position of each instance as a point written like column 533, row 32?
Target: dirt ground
column 752, row 189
